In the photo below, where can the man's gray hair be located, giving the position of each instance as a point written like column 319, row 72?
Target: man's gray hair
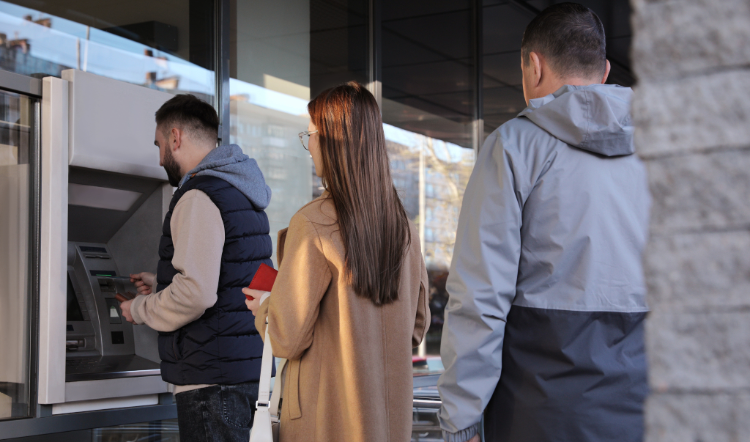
column 571, row 37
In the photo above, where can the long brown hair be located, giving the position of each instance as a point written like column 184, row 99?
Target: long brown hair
column 372, row 221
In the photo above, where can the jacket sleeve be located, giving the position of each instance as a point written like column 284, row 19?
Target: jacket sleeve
column 303, row 279
column 198, row 236
column 481, row 287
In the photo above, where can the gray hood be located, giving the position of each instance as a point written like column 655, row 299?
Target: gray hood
column 231, row 165
column 594, row 118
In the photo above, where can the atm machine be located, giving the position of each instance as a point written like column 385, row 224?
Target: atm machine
column 103, row 200
column 99, row 342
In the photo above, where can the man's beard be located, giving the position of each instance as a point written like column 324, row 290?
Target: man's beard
column 172, row 169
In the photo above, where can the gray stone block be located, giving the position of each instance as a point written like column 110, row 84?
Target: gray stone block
column 678, row 38
column 692, row 114
column 700, row 191
column 743, row 410
column 699, row 272
column 698, row 352
column 697, row 417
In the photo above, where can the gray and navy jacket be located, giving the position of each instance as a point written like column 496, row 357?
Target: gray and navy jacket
column 223, row 345
column 544, row 325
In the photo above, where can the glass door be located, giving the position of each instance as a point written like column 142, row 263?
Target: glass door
column 18, row 130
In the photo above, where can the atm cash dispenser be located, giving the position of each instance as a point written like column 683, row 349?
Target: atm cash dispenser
column 104, row 197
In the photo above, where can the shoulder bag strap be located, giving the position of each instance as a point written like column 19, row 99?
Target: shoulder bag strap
column 262, row 430
column 264, row 385
column 278, row 387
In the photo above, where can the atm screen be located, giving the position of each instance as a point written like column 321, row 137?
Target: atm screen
column 74, row 310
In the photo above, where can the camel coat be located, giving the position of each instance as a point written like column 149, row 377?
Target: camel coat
column 349, row 376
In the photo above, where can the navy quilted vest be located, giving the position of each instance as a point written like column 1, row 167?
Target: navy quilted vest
column 222, row 346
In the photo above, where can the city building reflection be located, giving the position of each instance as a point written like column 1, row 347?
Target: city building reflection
column 431, row 176
column 428, row 107
column 17, row 133
column 265, row 125
column 133, row 48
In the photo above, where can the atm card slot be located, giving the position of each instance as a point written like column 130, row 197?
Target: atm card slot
column 74, row 344
column 105, row 274
column 117, row 278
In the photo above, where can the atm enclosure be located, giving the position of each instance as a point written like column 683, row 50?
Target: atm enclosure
column 98, row 340
column 104, row 197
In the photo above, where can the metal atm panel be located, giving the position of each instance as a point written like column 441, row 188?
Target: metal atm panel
column 99, row 341
column 103, row 202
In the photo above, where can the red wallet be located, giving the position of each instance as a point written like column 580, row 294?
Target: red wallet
column 263, row 279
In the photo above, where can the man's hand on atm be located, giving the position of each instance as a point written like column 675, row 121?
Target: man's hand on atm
column 125, row 308
column 144, row 282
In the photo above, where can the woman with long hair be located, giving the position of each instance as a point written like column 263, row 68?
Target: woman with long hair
column 349, row 302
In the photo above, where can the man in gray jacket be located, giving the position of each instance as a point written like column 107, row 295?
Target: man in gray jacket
column 543, row 330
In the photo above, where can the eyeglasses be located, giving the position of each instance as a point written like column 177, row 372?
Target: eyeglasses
column 307, row 134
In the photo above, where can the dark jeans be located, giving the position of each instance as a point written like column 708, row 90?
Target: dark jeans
column 218, row 413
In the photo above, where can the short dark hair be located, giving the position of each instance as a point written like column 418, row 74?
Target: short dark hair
column 571, row 37
column 190, row 114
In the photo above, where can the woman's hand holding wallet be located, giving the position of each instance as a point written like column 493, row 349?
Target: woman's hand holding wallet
column 261, row 285
column 253, row 298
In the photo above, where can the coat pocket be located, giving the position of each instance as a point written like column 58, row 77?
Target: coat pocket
column 170, row 346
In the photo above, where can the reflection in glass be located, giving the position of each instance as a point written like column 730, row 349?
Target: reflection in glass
column 280, row 52
column 16, row 138
column 428, row 108
column 425, row 424
column 504, row 23
column 161, row 45
column 431, row 176
column 427, row 68
column 156, row 431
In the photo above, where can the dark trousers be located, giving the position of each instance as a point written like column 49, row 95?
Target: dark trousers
column 221, row 413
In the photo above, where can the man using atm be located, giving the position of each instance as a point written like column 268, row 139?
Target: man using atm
column 214, row 238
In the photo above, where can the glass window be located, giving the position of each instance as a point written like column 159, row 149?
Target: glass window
column 283, row 54
column 155, row 431
column 165, row 45
column 427, row 66
column 17, row 135
column 428, row 110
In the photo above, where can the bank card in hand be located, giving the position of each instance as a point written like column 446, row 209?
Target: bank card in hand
column 263, row 279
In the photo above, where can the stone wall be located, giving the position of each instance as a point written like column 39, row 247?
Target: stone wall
column 692, row 118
